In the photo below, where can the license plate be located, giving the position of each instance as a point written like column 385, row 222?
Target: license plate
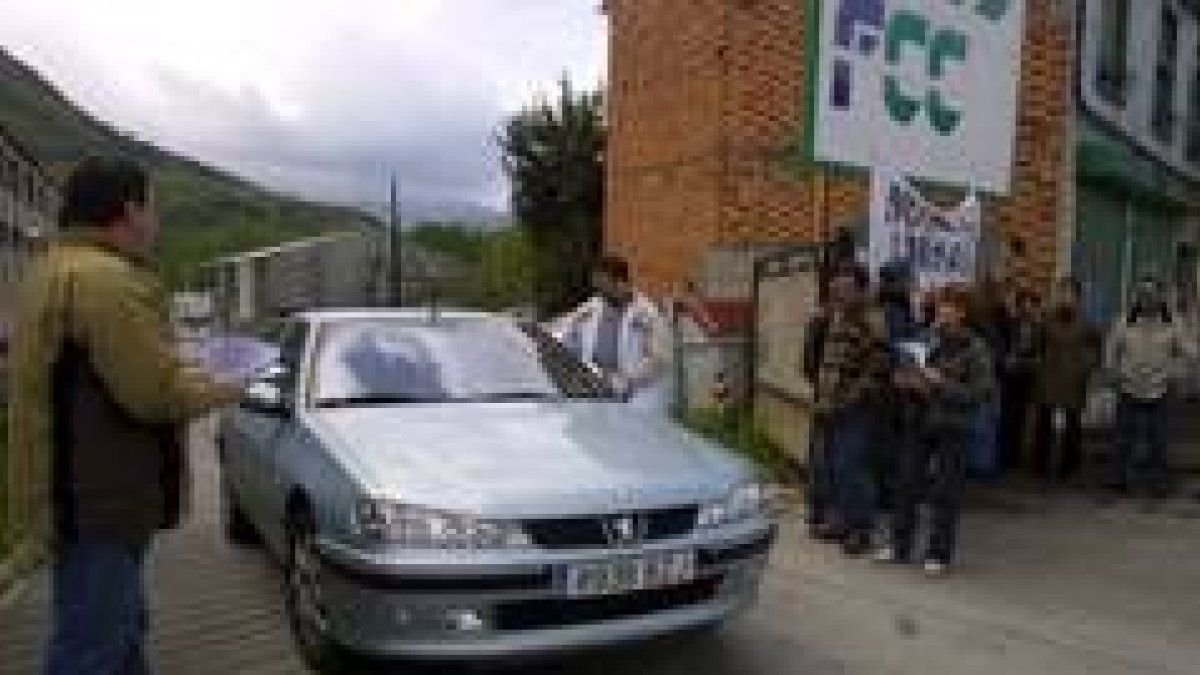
column 627, row 575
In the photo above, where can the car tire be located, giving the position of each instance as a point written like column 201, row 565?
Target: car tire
column 238, row 528
column 302, row 576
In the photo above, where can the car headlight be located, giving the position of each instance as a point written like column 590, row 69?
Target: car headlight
column 743, row 503
column 419, row 528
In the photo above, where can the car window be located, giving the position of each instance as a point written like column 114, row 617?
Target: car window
column 395, row 361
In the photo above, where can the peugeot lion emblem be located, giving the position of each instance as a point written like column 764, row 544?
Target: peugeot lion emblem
column 622, row 531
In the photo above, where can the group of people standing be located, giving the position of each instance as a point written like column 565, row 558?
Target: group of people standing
column 914, row 395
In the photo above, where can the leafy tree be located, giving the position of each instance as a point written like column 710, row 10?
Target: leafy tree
column 553, row 156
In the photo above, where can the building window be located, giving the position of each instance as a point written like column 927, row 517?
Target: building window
column 1112, row 76
column 1163, row 116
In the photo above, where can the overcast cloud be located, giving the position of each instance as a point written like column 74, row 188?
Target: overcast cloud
column 318, row 97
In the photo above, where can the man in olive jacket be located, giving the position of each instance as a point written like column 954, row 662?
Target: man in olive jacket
column 99, row 399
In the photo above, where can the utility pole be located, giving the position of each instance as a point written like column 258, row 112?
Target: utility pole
column 395, row 247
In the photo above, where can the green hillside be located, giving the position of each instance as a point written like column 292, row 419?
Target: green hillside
column 205, row 212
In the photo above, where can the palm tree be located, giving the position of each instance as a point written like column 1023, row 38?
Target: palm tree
column 553, row 155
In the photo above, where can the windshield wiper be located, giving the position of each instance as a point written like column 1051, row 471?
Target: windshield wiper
column 365, row 401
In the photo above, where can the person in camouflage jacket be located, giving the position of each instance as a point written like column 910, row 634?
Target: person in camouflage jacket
column 851, row 380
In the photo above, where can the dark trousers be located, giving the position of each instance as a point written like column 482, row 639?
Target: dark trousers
column 932, row 471
column 99, row 607
column 1014, row 417
column 1058, row 453
column 819, row 492
column 847, row 442
column 1143, row 462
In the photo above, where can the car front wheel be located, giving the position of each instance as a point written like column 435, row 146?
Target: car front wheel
column 305, row 602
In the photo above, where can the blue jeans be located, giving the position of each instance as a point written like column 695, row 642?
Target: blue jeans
column 820, row 479
column 99, row 605
column 1144, row 464
column 847, row 444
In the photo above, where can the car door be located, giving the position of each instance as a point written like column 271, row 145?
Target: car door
column 263, row 435
column 241, row 430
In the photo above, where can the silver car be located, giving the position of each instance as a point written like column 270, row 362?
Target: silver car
column 456, row 486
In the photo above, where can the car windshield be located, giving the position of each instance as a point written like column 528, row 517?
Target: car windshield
column 393, row 361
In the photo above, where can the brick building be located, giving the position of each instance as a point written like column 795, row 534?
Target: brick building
column 707, row 107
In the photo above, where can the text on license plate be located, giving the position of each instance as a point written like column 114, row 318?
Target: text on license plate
column 625, row 575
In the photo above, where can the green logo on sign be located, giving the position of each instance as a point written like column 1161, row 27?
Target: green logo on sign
column 909, row 34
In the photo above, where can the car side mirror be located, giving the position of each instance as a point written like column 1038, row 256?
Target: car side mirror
column 274, row 372
column 265, row 398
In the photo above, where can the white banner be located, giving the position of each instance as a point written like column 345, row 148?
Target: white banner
column 923, row 88
column 941, row 244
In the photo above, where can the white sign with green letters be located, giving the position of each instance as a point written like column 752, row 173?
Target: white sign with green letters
column 922, row 88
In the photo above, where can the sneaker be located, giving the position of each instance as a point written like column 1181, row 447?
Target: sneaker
column 887, row 555
column 936, row 568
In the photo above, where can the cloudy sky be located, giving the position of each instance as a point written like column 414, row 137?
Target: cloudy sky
column 316, row 96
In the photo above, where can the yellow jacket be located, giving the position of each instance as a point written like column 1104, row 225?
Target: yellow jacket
column 110, row 302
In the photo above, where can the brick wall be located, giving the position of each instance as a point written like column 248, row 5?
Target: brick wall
column 664, row 167
column 706, row 100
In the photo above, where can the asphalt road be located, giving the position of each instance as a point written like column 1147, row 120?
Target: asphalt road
column 1062, row 586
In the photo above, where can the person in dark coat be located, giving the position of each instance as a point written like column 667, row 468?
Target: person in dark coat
column 1021, row 339
column 899, row 411
column 987, row 318
column 1071, row 353
column 955, row 381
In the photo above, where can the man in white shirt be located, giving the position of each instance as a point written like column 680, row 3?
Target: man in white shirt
column 622, row 335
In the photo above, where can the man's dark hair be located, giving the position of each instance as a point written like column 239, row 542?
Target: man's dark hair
column 614, row 267
column 98, row 191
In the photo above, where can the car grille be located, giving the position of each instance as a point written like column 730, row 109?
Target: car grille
column 559, row 613
column 576, row 533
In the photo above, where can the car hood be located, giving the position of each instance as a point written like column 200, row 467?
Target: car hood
column 525, row 459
